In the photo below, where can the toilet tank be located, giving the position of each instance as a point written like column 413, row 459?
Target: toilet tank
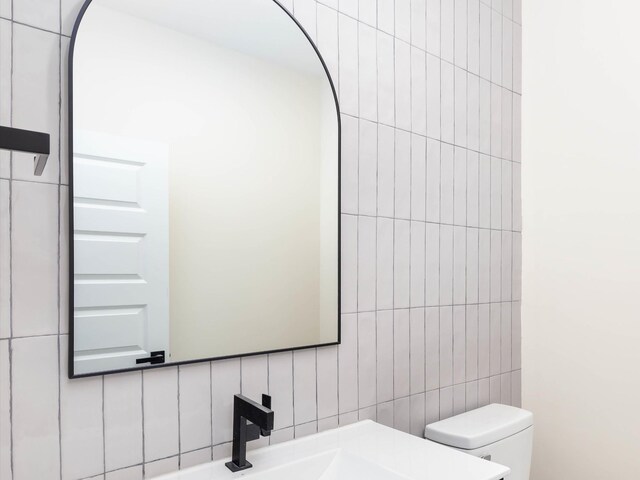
column 499, row 433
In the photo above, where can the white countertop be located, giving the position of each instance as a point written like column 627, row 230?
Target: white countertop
column 362, row 450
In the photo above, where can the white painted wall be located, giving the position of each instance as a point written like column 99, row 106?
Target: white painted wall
column 581, row 250
column 246, row 164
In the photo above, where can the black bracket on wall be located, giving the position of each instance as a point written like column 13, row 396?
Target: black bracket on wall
column 27, row 141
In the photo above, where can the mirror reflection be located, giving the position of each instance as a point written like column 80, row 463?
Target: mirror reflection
column 204, row 191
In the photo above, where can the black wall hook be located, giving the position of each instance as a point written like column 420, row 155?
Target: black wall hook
column 28, row 141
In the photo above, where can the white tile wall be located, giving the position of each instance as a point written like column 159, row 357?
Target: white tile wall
column 430, row 95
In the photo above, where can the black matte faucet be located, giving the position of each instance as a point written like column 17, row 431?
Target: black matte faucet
column 261, row 418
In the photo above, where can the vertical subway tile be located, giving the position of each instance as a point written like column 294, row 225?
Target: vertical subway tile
column 496, row 193
column 505, row 388
column 496, row 265
column 516, row 193
column 367, row 168
column 160, row 467
column 348, row 64
column 507, row 54
column 471, row 395
column 366, row 359
column 447, row 102
column 401, row 414
column 496, row 48
column 418, row 91
column 505, row 280
column 517, row 128
column 195, row 457
column 384, row 354
column 485, row 117
column 402, row 56
column 348, row 365
column 459, row 265
column 516, row 388
column 304, row 386
column 460, row 186
column 403, row 20
column 43, row 14
column 505, row 337
column 160, row 404
column 484, row 340
column 81, row 423
column 195, row 406
column 459, row 344
column 368, row 83
column 349, row 165
column 473, row 36
column 417, row 350
column 386, row 16
column 495, row 338
column 401, row 264
column 446, row 403
column 305, row 11
column 384, row 261
column 517, row 58
column 225, row 383
column 418, row 177
column 403, row 175
column 327, row 423
column 432, row 410
column 384, row 413
column 349, row 263
column 401, row 345
column 418, row 23
column 483, row 392
column 460, row 30
column 507, row 195
column 495, row 395
column 446, row 346
column 69, row 10
column 348, row 7
column 417, row 264
column 36, row 86
column 327, row 365
column 433, row 81
column 446, row 265
column 433, row 27
column 507, row 124
column 472, row 264
column 286, row 434
column 432, row 212
column 281, row 388
column 386, row 171
column 473, row 112
column 485, row 41
column 366, row 263
column 417, row 414
column 459, row 398
column 123, row 420
column 386, row 79
column 432, row 273
column 484, row 266
column 516, row 336
column 432, row 348
column 516, row 272
column 35, row 417
column 447, row 30
column 484, row 194
column 471, row 343
column 446, row 183
column 368, row 413
column 367, row 12
column 34, row 248
column 496, row 120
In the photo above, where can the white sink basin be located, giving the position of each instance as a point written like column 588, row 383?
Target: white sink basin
column 332, row 465
column 364, row 450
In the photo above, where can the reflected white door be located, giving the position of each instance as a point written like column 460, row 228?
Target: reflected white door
column 121, row 233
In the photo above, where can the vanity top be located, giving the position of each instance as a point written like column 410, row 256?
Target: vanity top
column 362, row 450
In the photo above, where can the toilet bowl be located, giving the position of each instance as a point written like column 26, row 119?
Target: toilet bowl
column 499, row 433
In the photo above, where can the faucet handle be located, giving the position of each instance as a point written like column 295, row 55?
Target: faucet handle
column 266, row 401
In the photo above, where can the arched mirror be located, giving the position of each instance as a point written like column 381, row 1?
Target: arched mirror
column 204, row 191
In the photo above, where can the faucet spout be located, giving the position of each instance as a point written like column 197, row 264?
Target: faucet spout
column 261, row 418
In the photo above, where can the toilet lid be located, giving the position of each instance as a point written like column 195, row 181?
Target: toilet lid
column 480, row 427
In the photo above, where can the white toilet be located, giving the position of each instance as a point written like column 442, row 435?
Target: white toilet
column 499, row 433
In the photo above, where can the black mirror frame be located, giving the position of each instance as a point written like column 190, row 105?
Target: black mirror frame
column 71, row 309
